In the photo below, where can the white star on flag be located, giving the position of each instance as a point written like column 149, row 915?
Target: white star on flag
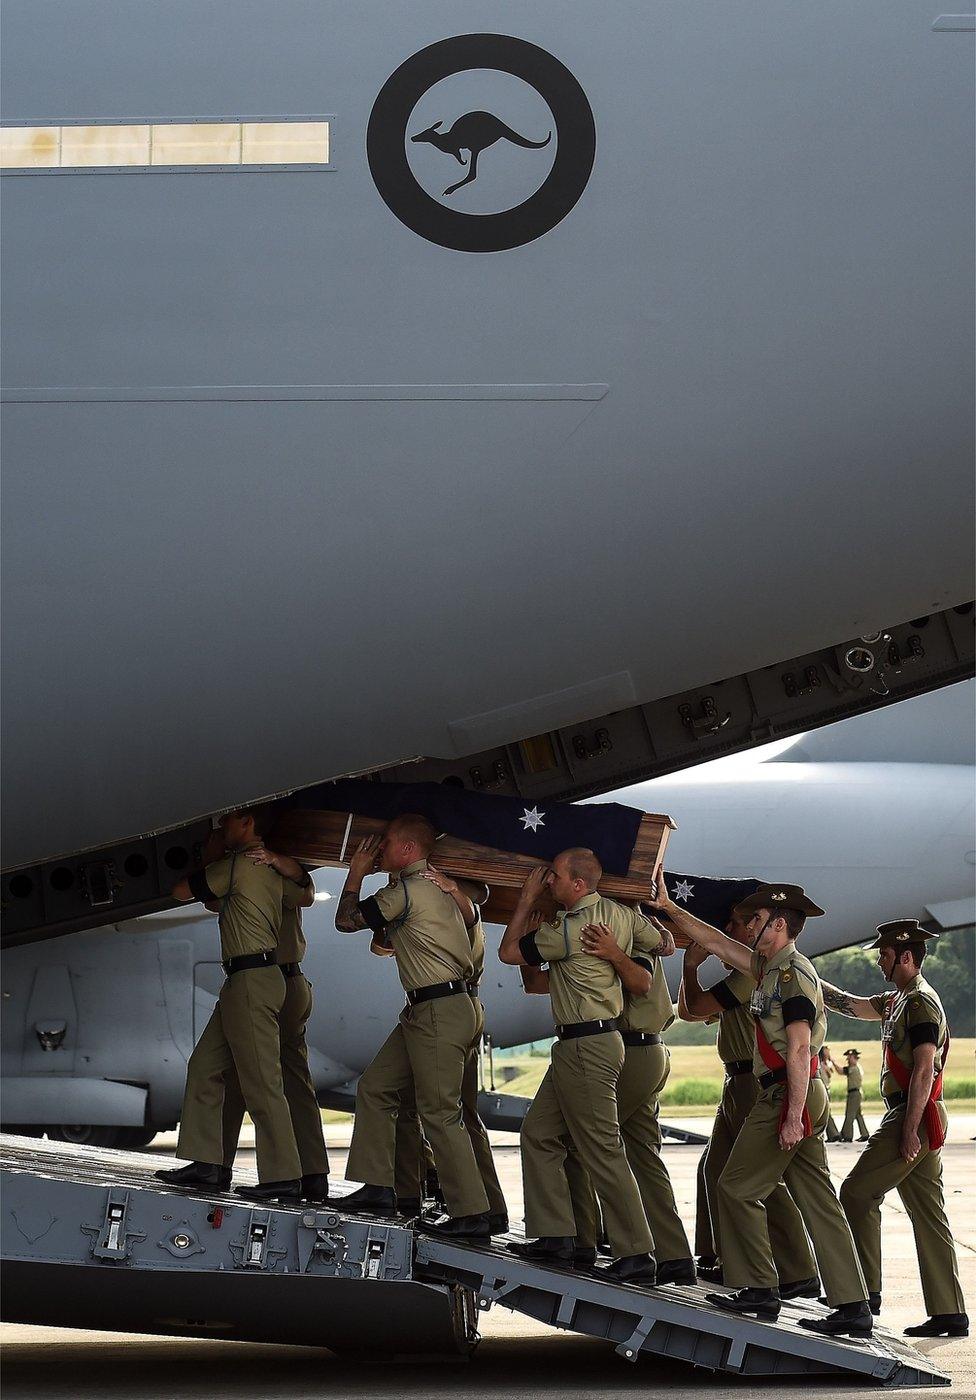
column 683, row 890
column 532, row 820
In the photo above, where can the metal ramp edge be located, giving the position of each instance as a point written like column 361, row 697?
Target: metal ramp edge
column 671, row 1322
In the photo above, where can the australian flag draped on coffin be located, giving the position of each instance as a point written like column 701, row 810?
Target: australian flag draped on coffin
column 485, row 836
column 709, row 899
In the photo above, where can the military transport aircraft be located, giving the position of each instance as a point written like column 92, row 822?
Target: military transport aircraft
column 561, row 406
column 875, row 815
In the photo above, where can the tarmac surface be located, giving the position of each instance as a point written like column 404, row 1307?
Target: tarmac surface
column 516, row 1355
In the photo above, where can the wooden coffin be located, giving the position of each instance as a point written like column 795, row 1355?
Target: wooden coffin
column 329, row 838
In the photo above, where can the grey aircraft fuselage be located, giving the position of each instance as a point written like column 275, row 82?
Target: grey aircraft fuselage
column 871, row 840
column 293, row 490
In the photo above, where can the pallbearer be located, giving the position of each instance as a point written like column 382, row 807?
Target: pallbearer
column 578, row 1096
column 729, row 1000
column 428, row 1049
column 782, row 1138
column 904, row 1154
column 242, row 1034
column 647, row 1013
column 298, row 893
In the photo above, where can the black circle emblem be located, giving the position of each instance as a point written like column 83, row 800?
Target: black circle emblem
column 386, row 137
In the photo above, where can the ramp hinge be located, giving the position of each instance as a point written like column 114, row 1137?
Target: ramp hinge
column 111, row 1241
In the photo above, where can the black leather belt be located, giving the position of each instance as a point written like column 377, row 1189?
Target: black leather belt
column 738, row 1067
column 581, row 1028
column 897, row 1100
column 640, row 1038
column 439, row 989
column 291, row 969
column 246, row 960
column 473, row 988
column 775, row 1076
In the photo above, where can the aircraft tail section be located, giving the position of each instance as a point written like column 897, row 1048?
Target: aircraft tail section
column 934, row 728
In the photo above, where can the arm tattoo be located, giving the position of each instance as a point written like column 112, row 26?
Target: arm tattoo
column 349, row 916
column 839, row 1001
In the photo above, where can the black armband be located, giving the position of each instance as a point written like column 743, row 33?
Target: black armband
column 927, row 1033
column 725, row 996
column 799, row 1009
column 645, row 963
column 529, row 950
column 372, row 915
column 199, row 887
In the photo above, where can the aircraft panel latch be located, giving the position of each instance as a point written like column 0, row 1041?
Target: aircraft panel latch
column 111, row 1240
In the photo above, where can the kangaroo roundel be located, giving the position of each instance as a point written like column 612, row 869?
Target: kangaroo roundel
column 481, row 143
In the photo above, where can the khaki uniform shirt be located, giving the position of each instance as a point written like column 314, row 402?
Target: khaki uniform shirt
column 425, row 929
column 653, row 1012
column 911, row 1017
column 855, row 1077
column 736, row 1030
column 582, row 986
column 292, row 946
column 823, row 1074
column 250, row 904
column 785, row 976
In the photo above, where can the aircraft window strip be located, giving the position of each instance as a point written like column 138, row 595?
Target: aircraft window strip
column 170, row 145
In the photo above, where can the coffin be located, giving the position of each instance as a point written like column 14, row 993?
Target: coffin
column 329, row 838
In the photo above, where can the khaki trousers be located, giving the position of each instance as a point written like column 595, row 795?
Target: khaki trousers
column 411, row 1160
column 577, row 1103
column 852, row 1116
column 787, row 1237
column 642, row 1079
column 756, row 1166
column 241, row 1035
column 425, row 1055
column 306, row 1119
column 881, row 1168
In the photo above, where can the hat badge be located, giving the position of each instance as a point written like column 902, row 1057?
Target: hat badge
column 902, row 937
column 779, row 897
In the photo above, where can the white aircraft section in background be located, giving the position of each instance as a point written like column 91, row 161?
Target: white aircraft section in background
column 870, row 839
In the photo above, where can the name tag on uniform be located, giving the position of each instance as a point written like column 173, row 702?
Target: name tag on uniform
column 759, row 1002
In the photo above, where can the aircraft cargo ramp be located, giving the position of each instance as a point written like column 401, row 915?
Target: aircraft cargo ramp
column 91, row 1240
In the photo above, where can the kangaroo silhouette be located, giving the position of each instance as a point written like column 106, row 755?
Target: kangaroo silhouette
column 474, row 133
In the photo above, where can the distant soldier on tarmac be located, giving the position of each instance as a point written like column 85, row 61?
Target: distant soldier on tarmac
column 853, row 1115
column 904, row 1153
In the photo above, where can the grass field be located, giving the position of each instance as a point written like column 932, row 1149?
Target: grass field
column 696, row 1083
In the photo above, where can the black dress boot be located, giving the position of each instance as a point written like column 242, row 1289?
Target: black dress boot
column 761, row 1303
column 681, row 1271
column 801, row 1288
column 874, row 1303
column 409, row 1206
column 584, row 1258
column 548, row 1249
column 272, row 1191
column 632, row 1268
column 847, row 1320
column 372, row 1200
column 498, row 1224
column 315, row 1187
column 204, row 1175
column 941, row 1325
column 711, row 1273
column 458, row 1227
